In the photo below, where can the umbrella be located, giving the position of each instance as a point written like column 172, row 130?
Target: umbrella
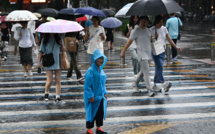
column 59, row 26
column 90, row 11
column 48, row 12
column 38, row 15
column 4, row 13
column 122, row 12
column 21, row 15
column 84, row 18
column 108, row 12
column 67, row 11
column 49, row 19
column 154, row 7
column 2, row 19
column 111, row 22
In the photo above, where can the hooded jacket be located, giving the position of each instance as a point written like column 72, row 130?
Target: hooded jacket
column 94, row 86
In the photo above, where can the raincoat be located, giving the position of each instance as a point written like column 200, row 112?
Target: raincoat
column 94, row 86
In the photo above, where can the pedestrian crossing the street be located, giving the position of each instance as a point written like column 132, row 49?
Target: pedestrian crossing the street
column 23, row 110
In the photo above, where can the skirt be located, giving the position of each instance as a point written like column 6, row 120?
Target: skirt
column 26, row 56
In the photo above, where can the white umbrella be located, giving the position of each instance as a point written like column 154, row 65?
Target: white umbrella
column 21, row 15
column 122, row 12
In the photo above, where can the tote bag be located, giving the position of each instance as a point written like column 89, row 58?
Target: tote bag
column 157, row 47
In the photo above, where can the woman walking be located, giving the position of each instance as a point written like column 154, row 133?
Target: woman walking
column 133, row 47
column 95, row 36
column 5, row 39
column 159, row 32
column 26, row 39
column 52, row 43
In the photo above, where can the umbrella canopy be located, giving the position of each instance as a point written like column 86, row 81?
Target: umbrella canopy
column 2, row 19
column 154, row 7
column 90, row 11
column 48, row 12
column 67, row 11
column 4, row 13
column 21, row 15
column 111, row 22
column 122, row 12
column 59, row 26
column 38, row 15
column 108, row 12
column 84, row 18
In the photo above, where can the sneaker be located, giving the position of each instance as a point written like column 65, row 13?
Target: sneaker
column 25, row 74
column 69, row 76
column 135, row 76
column 100, row 131
column 81, row 78
column 113, row 50
column 46, row 98
column 174, row 62
column 135, row 87
column 30, row 73
column 156, row 89
column 167, row 86
column 89, row 131
column 58, row 100
column 151, row 93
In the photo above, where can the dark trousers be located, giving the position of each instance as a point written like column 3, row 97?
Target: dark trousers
column 73, row 64
column 174, row 50
column 99, row 117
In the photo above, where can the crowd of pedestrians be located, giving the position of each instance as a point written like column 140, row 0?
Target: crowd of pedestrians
column 140, row 38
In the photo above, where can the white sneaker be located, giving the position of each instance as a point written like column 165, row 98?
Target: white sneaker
column 135, row 76
column 151, row 93
column 25, row 74
column 156, row 89
column 30, row 73
column 135, row 87
column 167, row 86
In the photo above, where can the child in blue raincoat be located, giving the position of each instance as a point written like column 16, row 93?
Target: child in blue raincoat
column 95, row 93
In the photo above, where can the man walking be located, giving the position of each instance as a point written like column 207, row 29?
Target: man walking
column 173, row 25
column 142, row 36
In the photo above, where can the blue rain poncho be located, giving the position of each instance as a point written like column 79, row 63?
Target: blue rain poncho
column 94, row 86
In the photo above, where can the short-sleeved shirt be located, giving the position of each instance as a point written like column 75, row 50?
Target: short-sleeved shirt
column 143, row 42
column 172, row 24
column 56, row 51
column 162, row 32
column 15, row 28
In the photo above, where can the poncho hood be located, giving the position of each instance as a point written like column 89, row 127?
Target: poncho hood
column 97, row 54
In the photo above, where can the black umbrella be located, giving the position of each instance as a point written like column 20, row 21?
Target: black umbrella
column 154, row 7
column 4, row 13
column 48, row 12
column 108, row 12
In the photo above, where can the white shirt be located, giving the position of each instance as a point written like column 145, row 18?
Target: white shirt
column 94, row 41
column 15, row 27
column 162, row 32
column 27, row 38
column 133, row 44
column 143, row 42
column 31, row 26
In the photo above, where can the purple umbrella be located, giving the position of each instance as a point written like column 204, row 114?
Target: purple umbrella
column 90, row 11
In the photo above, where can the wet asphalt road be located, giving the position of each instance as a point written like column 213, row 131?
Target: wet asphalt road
column 188, row 108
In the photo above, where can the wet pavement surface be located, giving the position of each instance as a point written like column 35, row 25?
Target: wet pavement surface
column 188, row 108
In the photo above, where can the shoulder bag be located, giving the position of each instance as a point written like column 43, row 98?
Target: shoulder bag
column 48, row 59
column 179, row 33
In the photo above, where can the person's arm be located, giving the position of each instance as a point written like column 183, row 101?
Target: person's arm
column 102, row 35
column 127, row 45
column 40, row 60
column 172, row 43
column 36, row 38
column 18, row 35
column 129, row 32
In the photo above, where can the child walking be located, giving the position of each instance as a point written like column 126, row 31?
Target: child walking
column 95, row 93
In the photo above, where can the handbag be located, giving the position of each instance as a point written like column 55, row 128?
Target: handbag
column 157, row 47
column 48, row 59
column 64, row 62
column 179, row 33
column 70, row 44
